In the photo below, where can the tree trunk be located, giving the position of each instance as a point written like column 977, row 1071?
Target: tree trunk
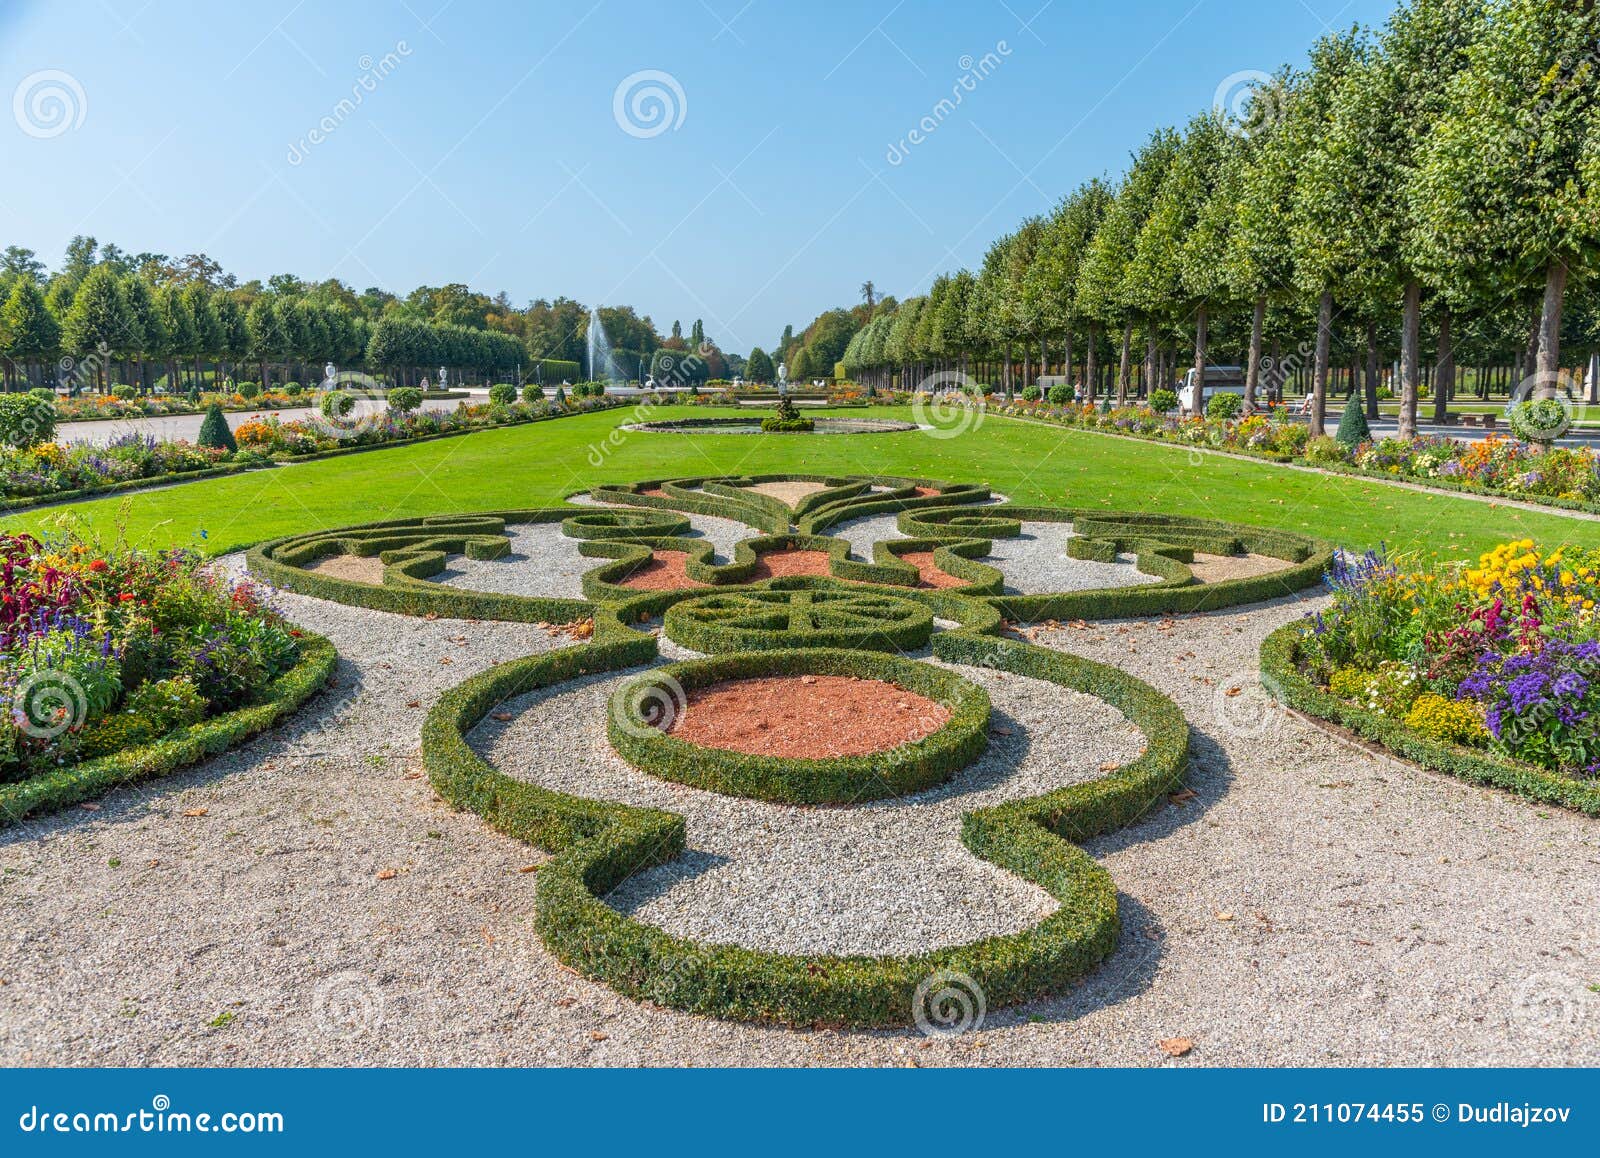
column 1066, row 353
column 1594, row 377
column 1444, row 378
column 1150, row 371
column 1089, row 358
column 1371, row 391
column 1548, row 366
column 1124, row 367
column 1410, row 327
column 1200, row 361
column 1319, row 382
column 1252, row 364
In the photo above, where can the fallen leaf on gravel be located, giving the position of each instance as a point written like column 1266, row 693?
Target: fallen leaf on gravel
column 1001, row 730
column 413, row 776
column 1110, row 766
column 447, row 659
column 387, row 875
column 567, row 1002
column 504, row 716
column 1175, row 1046
column 488, row 936
column 596, row 1035
column 1368, row 944
column 1233, row 691
column 1180, row 796
column 413, row 703
column 1224, row 916
column 529, row 868
column 201, row 811
column 90, row 807
column 431, row 615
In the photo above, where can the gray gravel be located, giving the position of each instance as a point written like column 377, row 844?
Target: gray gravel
column 1380, row 915
column 1036, row 563
column 886, row 877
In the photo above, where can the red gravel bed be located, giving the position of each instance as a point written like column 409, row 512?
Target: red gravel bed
column 930, row 576
column 663, row 572
column 795, row 562
column 924, row 492
column 807, row 716
column 654, row 492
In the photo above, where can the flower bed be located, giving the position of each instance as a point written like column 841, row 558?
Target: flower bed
column 48, row 470
column 119, row 664
column 1553, row 476
column 1491, row 672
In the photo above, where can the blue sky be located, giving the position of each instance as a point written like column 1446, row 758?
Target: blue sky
column 486, row 144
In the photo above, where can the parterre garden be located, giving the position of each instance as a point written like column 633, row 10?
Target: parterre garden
column 836, row 651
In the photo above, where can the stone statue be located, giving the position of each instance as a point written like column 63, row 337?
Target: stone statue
column 783, row 378
column 329, row 373
column 444, row 378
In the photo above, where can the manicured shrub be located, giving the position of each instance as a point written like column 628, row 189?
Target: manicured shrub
column 335, row 404
column 502, row 394
column 292, row 389
column 26, row 421
column 123, row 392
column 1060, row 394
column 249, row 391
column 532, row 393
column 1030, row 394
column 1223, row 407
column 1164, row 401
column 404, row 399
column 1353, row 429
column 214, row 430
column 1539, row 420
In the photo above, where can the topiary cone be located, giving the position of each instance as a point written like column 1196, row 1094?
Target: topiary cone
column 214, row 431
column 1353, row 428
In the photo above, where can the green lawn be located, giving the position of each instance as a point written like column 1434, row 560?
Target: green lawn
column 538, row 464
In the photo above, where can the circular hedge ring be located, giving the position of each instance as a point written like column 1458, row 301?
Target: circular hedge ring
column 641, row 707
column 765, row 620
column 624, row 525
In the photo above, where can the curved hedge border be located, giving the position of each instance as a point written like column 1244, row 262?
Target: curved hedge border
column 624, row 525
column 768, row 620
column 596, row 845
column 899, row 771
column 1281, row 675
column 75, row 782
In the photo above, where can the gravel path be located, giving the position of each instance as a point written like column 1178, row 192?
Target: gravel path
column 1036, row 563
column 887, row 877
column 1379, row 914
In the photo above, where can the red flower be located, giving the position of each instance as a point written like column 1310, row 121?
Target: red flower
column 98, row 565
column 125, row 596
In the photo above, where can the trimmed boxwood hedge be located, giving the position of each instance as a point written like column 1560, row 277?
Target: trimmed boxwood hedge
column 72, row 783
column 624, row 525
column 909, row 768
column 1282, row 676
column 596, row 845
column 780, row 618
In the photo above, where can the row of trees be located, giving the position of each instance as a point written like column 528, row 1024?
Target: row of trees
column 1440, row 176
column 107, row 316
